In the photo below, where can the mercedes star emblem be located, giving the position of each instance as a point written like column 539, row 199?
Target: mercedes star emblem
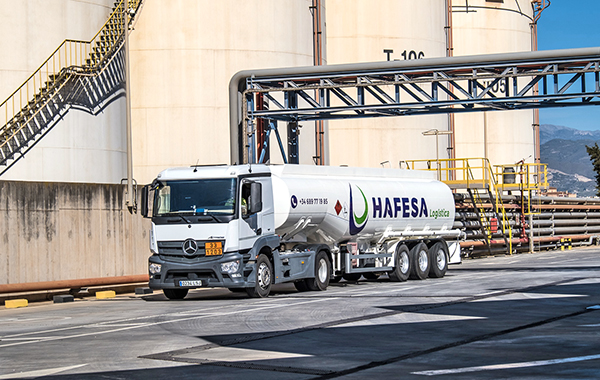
column 189, row 247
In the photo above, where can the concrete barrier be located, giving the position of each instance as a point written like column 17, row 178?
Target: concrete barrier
column 68, row 231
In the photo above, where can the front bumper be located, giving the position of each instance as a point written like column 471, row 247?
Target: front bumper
column 179, row 273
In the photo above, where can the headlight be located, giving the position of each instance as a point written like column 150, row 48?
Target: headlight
column 230, row 267
column 154, row 268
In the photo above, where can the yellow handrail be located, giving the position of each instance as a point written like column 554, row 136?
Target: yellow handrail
column 66, row 56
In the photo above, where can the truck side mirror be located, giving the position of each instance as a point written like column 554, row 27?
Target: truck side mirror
column 255, row 197
column 144, row 201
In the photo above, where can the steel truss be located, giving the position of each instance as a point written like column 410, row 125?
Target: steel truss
column 514, row 81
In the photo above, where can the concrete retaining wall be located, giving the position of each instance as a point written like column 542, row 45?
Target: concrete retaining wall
column 65, row 231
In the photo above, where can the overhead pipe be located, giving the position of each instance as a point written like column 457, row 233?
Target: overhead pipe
column 237, row 84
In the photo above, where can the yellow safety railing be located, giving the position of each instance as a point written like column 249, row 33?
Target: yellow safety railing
column 464, row 173
column 522, row 177
column 528, row 179
column 471, row 174
column 83, row 56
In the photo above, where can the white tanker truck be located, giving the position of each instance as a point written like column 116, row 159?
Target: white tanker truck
column 247, row 227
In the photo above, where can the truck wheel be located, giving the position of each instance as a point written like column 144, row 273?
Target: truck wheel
column 175, row 294
column 322, row 273
column 264, row 275
column 420, row 262
column 438, row 255
column 402, row 264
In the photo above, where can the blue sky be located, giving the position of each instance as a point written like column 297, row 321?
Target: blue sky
column 570, row 24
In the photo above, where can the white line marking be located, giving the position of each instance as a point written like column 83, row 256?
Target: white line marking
column 39, row 372
column 161, row 323
column 506, row 366
column 199, row 312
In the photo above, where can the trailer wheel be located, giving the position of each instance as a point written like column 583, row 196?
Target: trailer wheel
column 264, row 275
column 402, row 264
column 175, row 294
column 438, row 255
column 322, row 273
column 420, row 262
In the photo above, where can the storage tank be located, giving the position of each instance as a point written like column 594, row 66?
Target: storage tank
column 184, row 52
column 85, row 146
column 360, row 31
column 487, row 27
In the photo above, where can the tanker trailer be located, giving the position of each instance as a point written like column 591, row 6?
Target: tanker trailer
column 247, row 227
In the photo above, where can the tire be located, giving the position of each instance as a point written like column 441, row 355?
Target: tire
column 438, row 256
column 175, row 294
column 264, row 278
column 352, row 277
column 420, row 262
column 322, row 273
column 402, row 264
column 300, row 285
column 371, row 275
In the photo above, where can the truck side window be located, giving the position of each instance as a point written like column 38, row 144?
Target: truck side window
column 251, row 201
column 245, row 199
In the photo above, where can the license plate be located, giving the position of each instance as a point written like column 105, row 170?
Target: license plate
column 190, row 283
column 213, row 248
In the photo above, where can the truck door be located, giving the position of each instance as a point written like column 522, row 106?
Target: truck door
column 250, row 212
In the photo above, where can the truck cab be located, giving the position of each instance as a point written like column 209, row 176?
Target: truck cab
column 209, row 225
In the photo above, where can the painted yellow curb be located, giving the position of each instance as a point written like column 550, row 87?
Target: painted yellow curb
column 105, row 294
column 12, row 304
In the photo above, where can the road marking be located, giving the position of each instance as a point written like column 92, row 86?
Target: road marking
column 506, row 366
column 149, row 324
column 197, row 313
column 235, row 354
column 39, row 372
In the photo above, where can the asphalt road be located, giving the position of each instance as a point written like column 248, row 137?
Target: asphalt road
column 528, row 316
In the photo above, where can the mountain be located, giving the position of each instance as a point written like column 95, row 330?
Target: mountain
column 550, row 132
column 569, row 165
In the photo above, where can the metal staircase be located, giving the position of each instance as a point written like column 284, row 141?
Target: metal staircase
column 85, row 75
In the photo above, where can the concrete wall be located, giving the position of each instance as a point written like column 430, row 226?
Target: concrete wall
column 65, row 231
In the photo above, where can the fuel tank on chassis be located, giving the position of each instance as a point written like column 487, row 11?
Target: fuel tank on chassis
column 337, row 204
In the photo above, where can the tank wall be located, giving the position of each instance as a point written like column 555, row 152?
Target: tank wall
column 82, row 147
column 486, row 27
column 183, row 56
column 359, row 31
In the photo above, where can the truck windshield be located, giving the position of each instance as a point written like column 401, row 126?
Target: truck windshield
column 196, row 197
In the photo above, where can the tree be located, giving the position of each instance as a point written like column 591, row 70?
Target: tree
column 594, row 153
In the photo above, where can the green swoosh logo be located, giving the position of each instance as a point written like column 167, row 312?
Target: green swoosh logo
column 362, row 218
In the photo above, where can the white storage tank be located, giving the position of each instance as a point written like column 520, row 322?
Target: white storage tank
column 82, row 147
column 487, row 27
column 360, row 31
column 184, row 52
